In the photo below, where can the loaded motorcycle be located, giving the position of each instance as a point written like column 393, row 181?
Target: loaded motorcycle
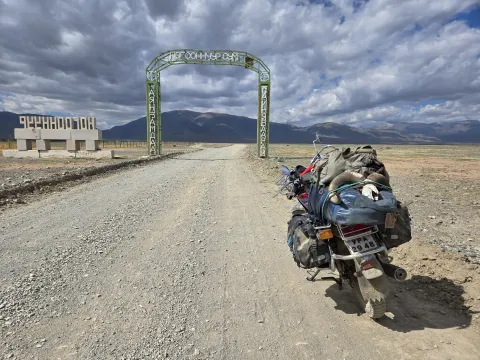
column 346, row 227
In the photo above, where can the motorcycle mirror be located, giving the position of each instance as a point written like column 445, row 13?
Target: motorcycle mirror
column 284, row 170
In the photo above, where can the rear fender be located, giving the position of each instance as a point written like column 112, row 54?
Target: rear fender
column 375, row 287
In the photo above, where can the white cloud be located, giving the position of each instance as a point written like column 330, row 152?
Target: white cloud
column 370, row 62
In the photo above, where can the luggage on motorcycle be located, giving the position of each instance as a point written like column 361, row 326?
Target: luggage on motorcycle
column 335, row 165
column 354, row 208
column 401, row 232
column 308, row 251
column 362, row 160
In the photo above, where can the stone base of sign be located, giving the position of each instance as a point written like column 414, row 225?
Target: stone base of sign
column 25, row 154
column 42, row 154
column 98, row 154
column 57, row 154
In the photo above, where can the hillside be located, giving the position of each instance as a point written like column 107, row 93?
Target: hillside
column 184, row 125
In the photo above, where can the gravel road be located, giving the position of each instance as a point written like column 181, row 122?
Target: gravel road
column 186, row 259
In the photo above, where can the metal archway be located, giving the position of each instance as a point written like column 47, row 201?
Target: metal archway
column 209, row 57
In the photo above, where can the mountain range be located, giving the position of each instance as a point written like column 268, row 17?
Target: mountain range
column 184, row 125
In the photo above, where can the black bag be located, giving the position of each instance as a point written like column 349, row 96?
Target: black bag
column 401, row 232
column 308, row 251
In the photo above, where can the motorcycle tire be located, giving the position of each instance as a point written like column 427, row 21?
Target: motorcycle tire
column 375, row 309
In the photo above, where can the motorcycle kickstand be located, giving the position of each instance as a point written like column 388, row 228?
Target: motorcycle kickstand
column 338, row 281
column 312, row 277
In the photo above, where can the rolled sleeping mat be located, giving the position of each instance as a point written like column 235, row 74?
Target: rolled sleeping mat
column 347, row 177
column 384, row 172
column 379, row 178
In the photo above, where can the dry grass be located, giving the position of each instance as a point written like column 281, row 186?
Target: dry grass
column 416, row 160
column 460, row 152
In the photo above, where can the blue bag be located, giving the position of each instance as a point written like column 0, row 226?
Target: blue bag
column 354, row 208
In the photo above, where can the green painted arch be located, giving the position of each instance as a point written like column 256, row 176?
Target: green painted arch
column 205, row 57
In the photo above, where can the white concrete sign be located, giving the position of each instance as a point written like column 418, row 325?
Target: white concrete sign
column 43, row 129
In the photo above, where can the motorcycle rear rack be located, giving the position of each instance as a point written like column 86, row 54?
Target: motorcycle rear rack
column 323, row 227
column 359, row 255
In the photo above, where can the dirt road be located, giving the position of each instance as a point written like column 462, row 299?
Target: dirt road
column 187, row 258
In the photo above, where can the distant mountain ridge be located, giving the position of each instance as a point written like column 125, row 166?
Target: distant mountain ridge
column 185, row 125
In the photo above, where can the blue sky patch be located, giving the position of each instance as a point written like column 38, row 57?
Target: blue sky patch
column 423, row 103
column 325, row 3
column 358, row 4
column 471, row 17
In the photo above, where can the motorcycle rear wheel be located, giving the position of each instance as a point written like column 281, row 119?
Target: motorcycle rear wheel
column 375, row 309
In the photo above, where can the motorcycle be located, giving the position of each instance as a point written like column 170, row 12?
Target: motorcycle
column 358, row 254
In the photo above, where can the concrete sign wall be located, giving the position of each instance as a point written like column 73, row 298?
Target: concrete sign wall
column 43, row 129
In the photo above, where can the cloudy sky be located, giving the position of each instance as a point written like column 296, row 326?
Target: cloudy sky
column 349, row 61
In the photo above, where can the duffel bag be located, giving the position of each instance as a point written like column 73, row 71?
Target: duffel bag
column 308, row 252
column 362, row 160
column 355, row 208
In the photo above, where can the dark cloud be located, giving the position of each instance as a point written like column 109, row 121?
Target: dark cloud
column 165, row 8
column 90, row 57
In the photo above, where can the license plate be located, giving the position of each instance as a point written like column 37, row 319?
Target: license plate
column 390, row 219
column 362, row 244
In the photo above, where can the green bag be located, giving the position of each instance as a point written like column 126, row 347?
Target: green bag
column 362, row 160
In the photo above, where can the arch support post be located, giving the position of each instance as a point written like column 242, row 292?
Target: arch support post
column 154, row 114
column 263, row 123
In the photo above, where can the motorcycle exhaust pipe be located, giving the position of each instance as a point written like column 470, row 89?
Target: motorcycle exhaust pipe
column 394, row 271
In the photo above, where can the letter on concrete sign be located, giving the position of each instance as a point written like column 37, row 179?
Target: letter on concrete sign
column 31, row 122
column 82, row 122
column 69, row 124
column 92, row 123
column 54, row 123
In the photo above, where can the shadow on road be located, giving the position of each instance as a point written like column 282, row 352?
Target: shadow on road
column 416, row 304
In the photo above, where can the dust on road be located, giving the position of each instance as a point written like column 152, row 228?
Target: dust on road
column 186, row 258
